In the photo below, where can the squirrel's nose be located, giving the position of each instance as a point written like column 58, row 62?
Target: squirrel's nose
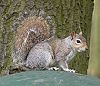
column 86, row 47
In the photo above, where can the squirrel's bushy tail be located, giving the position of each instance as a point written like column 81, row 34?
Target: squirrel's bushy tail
column 31, row 31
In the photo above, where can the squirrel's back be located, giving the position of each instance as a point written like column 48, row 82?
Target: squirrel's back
column 31, row 31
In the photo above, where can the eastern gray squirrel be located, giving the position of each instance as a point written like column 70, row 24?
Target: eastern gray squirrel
column 60, row 51
column 46, row 53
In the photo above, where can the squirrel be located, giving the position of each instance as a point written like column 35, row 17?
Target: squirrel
column 59, row 51
column 35, row 49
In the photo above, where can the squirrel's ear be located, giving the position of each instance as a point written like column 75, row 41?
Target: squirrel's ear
column 73, row 34
column 80, row 33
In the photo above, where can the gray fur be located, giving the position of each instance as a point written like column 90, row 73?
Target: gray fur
column 44, row 54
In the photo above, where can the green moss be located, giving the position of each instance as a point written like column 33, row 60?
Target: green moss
column 80, row 63
column 9, row 14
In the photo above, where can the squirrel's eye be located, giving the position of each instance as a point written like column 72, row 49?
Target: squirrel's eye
column 78, row 41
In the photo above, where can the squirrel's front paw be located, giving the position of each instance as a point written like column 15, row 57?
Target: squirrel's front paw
column 53, row 68
column 73, row 71
column 70, row 70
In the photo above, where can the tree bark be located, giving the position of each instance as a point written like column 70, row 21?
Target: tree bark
column 9, row 11
column 94, row 61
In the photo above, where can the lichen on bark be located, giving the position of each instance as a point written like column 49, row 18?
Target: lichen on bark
column 9, row 13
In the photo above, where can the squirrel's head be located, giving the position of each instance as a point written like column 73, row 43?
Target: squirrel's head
column 78, row 42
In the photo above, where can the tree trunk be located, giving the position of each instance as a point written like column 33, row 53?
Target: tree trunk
column 9, row 11
column 94, row 62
